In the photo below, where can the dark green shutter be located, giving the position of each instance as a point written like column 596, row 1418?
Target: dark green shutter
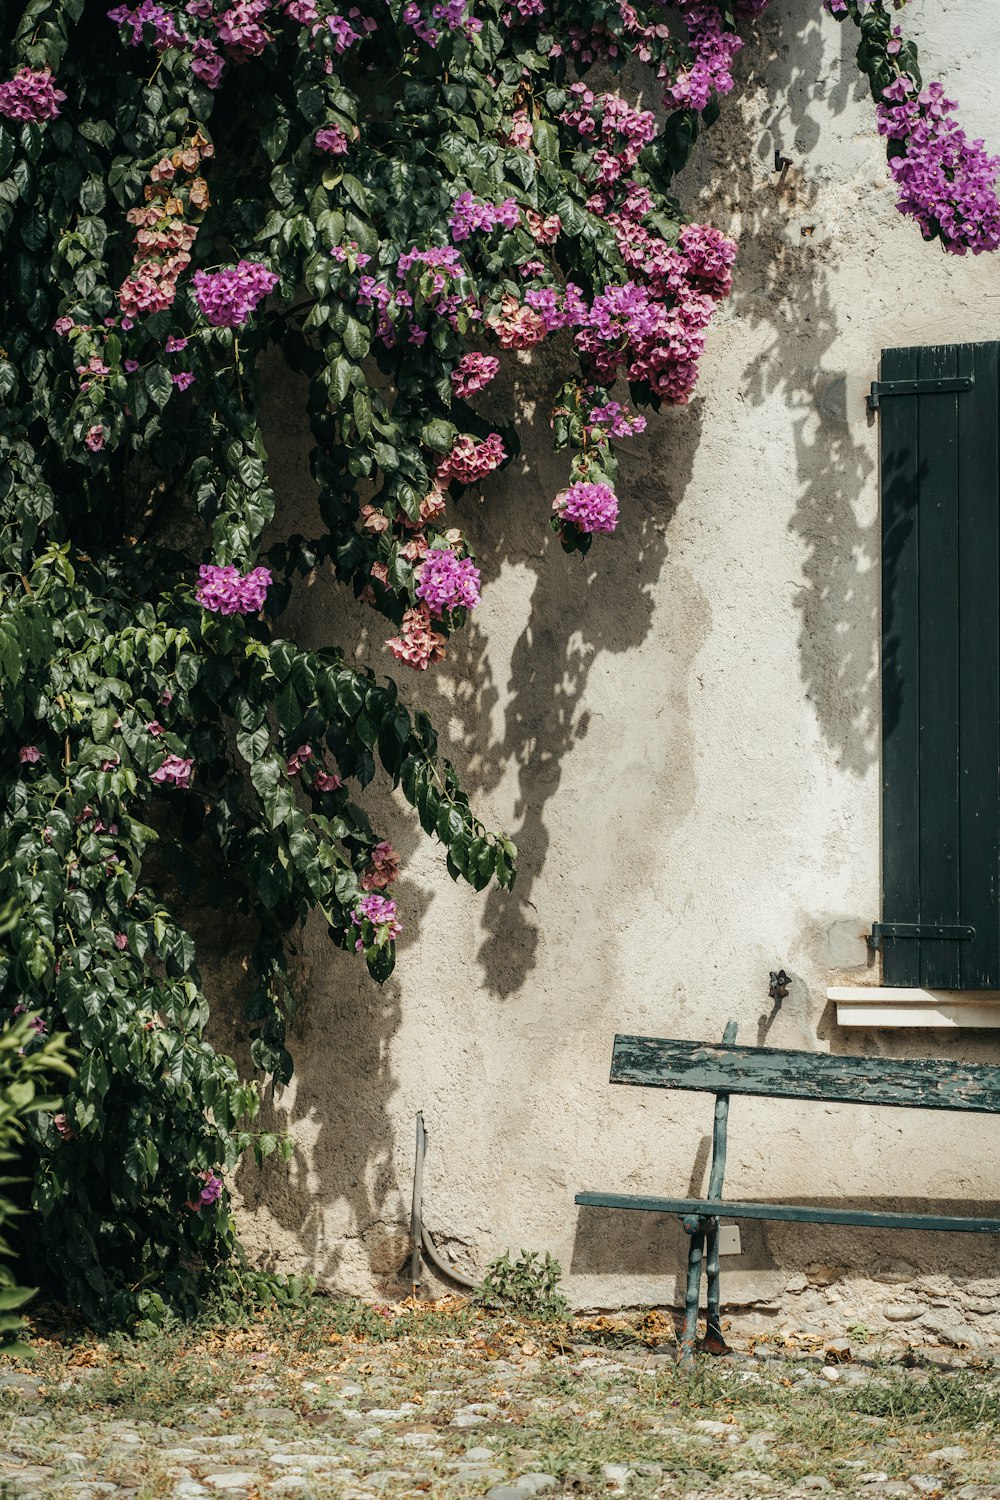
column 941, row 665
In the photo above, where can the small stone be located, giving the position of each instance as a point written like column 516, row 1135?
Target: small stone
column 873, row 1476
column 717, row 1429
column 23, row 1386
column 466, row 1419
column 231, row 1479
column 925, row 1484
column 505, row 1492
column 188, row 1489
column 306, row 1460
column 277, row 1416
column 815, row 1482
column 902, row 1312
column 480, row 1455
column 617, row 1475
column 895, row 1487
column 947, row 1455
column 830, row 1373
column 796, row 1283
column 535, row 1484
column 983, row 1306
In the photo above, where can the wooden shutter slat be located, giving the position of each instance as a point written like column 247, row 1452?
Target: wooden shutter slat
column 938, row 583
column 979, row 663
column 900, row 669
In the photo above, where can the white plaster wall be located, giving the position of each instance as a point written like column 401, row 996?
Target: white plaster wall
column 682, row 734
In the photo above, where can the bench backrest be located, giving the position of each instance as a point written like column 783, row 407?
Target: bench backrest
column 922, row 1083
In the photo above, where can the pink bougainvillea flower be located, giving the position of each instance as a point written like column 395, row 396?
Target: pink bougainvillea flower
column 382, row 868
column 210, row 1191
column 418, row 644
column 30, row 96
column 590, row 507
column 447, row 581
column 380, row 911
column 223, row 590
column 227, row 298
column 297, row 759
column 121, row 941
column 29, row 755
column 332, row 140
column 95, row 438
column 175, row 770
column 326, row 781
column 473, row 373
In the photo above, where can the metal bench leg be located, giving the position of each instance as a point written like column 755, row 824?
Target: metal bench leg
column 713, row 1342
column 692, row 1227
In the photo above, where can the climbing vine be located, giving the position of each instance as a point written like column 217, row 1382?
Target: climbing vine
column 395, row 194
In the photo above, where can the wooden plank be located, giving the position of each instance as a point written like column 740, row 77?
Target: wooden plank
column 705, row 1067
column 979, row 663
column 791, row 1213
column 938, row 584
column 900, row 669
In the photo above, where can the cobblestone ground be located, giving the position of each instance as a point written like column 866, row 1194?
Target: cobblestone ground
column 353, row 1403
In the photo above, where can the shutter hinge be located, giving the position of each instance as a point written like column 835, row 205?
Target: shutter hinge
column 930, row 387
column 882, row 930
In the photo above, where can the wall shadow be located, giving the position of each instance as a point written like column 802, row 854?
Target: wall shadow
column 786, row 289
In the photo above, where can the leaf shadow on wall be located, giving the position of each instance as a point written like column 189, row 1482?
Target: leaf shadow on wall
column 340, row 1207
column 790, row 218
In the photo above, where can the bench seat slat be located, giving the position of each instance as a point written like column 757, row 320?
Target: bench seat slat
column 920, row 1083
column 790, row 1212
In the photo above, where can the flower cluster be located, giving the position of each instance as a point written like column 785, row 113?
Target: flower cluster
column 621, row 130
column 223, row 590
column 470, row 461
column 30, row 96
column 227, row 298
column 946, row 181
column 418, row 644
column 613, row 421
column 470, row 215
column 590, row 507
column 380, row 912
column 473, row 373
column 447, row 581
column 332, row 140
column 382, row 868
column 174, row 770
column 514, row 325
column 210, row 1191
column 164, row 235
column 451, row 15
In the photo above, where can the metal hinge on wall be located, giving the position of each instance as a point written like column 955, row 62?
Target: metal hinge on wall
column 931, row 387
column 922, row 930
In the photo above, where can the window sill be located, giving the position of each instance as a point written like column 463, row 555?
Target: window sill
column 879, row 1005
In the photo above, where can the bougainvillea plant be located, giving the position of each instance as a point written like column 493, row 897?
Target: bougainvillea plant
column 395, row 194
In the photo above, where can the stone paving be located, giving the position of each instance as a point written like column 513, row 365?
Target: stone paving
column 498, row 1412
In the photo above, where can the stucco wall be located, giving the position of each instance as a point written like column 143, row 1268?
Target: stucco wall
column 682, row 735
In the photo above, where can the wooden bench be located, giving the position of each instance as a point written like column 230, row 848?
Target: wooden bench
column 924, row 1083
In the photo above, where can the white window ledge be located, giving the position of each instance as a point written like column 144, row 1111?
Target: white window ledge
column 879, row 1005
